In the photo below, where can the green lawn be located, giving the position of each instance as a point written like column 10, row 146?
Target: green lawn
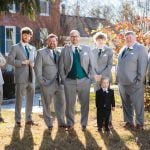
column 38, row 137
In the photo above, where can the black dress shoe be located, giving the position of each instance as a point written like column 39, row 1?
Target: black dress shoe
column 50, row 128
column 1, row 120
column 99, row 129
column 18, row 124
column 107, row 129
column 83, row 128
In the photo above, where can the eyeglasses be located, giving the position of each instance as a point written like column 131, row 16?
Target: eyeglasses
column 74, row 36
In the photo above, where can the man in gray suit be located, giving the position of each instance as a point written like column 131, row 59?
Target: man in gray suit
column 46, row 68
column 2, row 63
column 131, row 70
column 103, row 57
column 76, row 70
column 22, row 57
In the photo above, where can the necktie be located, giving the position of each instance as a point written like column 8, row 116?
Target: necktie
column 30, row 69
column 99, row 53
column 125, row 52
column 54, row 56
column 27, row 51
column 76, row 50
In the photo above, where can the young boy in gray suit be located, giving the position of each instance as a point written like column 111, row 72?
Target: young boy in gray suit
column 2, row 63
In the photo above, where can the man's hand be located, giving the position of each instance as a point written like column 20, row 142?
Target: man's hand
column 31, row 64
column 25, row 62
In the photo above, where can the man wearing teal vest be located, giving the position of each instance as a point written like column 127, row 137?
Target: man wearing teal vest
column 76, row 70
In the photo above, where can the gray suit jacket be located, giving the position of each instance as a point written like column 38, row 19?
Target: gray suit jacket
column 45, row 67
column 103, row 64
column 2, row 63
column 15, row 58
column 66, row 61
column 132, row 67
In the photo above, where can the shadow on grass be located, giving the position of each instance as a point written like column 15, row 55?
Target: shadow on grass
column 142, row 138
column 68, row 140
column 113, row 141
column 63, row 141
column 47, row 142
column 91, row 142
column 17, row 143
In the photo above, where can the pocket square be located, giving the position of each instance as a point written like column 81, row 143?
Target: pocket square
column 85, row 54
column 104, row 55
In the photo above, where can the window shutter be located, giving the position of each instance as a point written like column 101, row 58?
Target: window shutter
column 2, row 39
column 17, row 34
column 17, row 6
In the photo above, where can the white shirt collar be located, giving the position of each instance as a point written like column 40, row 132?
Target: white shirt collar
column 24, row 44
column 131, row 47
column 103, row 49
column 105, row 89
column 78, row 46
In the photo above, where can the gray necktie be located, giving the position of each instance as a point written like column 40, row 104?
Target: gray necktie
column 100, row 52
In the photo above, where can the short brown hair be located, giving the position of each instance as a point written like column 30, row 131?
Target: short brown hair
column 130, row 33
column 52, row 36
column 26, row 30
column 100, row 35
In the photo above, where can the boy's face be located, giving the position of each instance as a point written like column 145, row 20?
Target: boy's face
column 100, row 42
column 105, row 83
column 26, row 37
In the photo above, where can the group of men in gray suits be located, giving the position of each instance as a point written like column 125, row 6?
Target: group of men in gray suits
column 64, row 75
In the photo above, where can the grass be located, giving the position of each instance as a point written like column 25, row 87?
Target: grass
column 38, row 137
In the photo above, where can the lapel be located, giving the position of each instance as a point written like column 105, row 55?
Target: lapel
column 71, row 54
column 50, row 55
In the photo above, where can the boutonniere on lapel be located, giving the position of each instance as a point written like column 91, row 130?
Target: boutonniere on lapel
column 79, row 48
column 130, row 48
column 30, row 47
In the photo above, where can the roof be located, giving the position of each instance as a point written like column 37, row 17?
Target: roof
column 83, row 24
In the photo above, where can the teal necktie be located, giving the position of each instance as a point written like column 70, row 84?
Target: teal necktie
column 54, row 55
column 27, row 52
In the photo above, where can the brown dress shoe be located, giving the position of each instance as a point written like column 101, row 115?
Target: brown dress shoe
column 32, row 123
column 1, row 120
column 139, row 127
column 129, row 126
column 18, row 124
column 62, row 126
column 70, row 128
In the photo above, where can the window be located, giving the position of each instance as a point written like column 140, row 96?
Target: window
column 12, row 8
column 10, row 37
column 44, row 7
